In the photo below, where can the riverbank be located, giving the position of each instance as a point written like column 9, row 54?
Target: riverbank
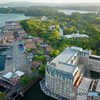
column 36, row 93
column 9, row 17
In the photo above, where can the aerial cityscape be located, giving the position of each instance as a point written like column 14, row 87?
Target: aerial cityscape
column 49, row 50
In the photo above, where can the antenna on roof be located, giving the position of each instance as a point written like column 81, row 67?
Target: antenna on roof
column 14, row 68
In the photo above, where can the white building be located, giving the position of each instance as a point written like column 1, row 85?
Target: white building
column 76, row 36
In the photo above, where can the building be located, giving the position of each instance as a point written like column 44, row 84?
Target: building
column 48, row 48
column 43, row 44
column 11, row 26
column 39, row 40
column 84, row 87
column 30, row 46
column 76, row 36
column 36, row 65
column 13, row 77
column 19, row 38
column 29, row 57
column 44, row 18
column 64, row 75
column 28, row 41
column 9, row 38
column 35, row 38
column 22, row 33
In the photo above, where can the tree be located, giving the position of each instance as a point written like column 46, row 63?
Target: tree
column 57, row 52
column 15, row 32
column 34, row 71
column 35, row 57
column 25, row 80
column 37, row 44
column 51, row 53
column 57, row 27
column 95, row 52
column 42, row 69
column 38, row 52
column 3, row 96
column 55, row 34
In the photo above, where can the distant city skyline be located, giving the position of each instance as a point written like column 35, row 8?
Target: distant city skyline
column 51, row 1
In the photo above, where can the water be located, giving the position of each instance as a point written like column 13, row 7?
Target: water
column 35, row 93
column 11, row 17
column 2, row 62
column 95, row 75
column 69, row 12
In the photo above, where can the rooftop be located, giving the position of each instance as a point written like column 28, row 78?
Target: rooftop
column 86, row 51
column 94, row 57
column 43, row 43
column 85, row 83
column 98, row 86
column 9, row 74
column 66, row 67
column 66, row 55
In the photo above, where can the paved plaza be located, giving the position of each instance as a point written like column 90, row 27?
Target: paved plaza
column 18, row 59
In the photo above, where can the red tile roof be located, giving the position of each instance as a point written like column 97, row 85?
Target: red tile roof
column 35, row 38
column 22, row 32
column 19, row 38
column 49, row 48
column 32, row 45
column 10, row 37
column 39, row 40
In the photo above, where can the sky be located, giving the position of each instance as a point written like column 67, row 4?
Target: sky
column 50, row 1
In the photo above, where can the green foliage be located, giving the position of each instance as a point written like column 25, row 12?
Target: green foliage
column 57, row 52
column 38, row 52
column 37, row 44
column 57, row 27
column 42, row 69
column 3, row 96
column 86, row 24
column 55, row 34
column 15, row 32
column 51, row 53
column 34, row 71
column 42, row 58
column 35, row 57
column 27, row 38
column 30, row 50
column 25, row 80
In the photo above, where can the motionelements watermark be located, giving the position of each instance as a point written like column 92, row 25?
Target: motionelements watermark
column 72, row 94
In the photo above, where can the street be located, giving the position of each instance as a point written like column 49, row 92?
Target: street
column 18, row 59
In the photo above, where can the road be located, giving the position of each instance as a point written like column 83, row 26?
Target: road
column 19, row 59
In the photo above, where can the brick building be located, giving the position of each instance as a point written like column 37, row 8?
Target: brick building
column 63, row 74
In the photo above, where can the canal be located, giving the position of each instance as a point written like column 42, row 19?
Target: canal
column 95, row 75
column 2, row 62
column 35, row 93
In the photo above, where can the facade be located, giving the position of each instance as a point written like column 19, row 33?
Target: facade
column 11, row 26
column 43, row 44
column 63, row 74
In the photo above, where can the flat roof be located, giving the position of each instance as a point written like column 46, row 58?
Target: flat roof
column 86, row 51
column 19, row 73
column 98, row 86
column 94, row 57
column 66, row 67
column 8, row 75
column 85, row 83
column 65, row 56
